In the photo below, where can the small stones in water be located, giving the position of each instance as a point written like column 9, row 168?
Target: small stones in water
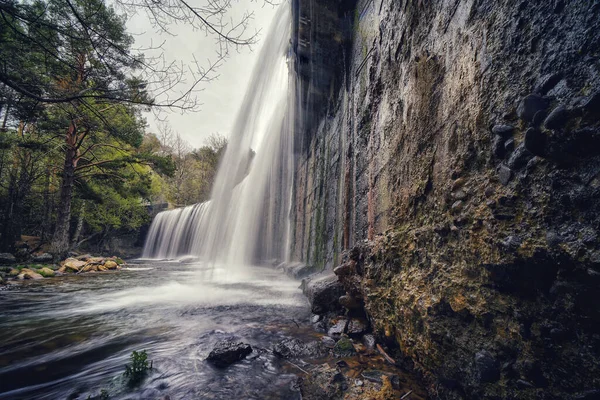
column 338, row 328
column 227, row 352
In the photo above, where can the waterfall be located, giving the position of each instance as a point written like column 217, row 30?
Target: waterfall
column 247, row 218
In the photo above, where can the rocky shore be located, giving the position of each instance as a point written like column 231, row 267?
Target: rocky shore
column 42, row 267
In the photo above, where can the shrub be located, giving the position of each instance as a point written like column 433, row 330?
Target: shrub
column 139, row 367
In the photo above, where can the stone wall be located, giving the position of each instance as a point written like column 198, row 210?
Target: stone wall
column 463, row 144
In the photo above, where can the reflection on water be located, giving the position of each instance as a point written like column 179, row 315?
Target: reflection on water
column 70, row 337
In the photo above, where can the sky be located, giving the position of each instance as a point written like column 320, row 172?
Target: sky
column 220, row 98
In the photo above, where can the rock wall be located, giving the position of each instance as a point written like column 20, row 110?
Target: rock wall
column 459, row 157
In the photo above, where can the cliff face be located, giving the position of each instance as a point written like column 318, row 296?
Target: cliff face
column 457, row 152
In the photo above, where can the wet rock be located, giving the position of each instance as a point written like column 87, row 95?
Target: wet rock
column 557, row 118
column 346, row 269
column 7, row 258
column 504, row 174
column 357, row 327
column 323, row 294
column 14, row 272
column 297, row 270
column 43, row 258
column 487, row 367
column 519, row 158
column 512, row 242
column 457, row 206
column 344, row 348
column 338, row 328
column 328, row 342
column 369, row 341
column 504, row 131
column 295, row 348
column 227, row 352
column 96, row 260
column 83, row 257
column 509, row 145
column 530, row 105
column 458, row 183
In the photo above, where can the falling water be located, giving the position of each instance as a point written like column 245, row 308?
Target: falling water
column 248, row 215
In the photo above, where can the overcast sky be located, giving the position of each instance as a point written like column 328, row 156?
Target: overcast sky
column 220, row 98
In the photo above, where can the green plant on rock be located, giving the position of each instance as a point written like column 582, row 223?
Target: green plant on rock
column 139, row 367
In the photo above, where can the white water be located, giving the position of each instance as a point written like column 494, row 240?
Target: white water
column 247, row 218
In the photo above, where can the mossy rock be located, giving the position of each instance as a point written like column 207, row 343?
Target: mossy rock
column 46, row 272
column 344, row 348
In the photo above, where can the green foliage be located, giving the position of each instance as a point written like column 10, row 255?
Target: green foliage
column 139, row 367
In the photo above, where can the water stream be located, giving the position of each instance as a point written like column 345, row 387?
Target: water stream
column 71, row 337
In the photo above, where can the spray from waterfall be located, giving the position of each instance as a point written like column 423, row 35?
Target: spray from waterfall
column 247, row 218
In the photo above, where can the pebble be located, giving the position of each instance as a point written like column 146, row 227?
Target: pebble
column 504, row 174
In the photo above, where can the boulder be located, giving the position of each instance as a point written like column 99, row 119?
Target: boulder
column 46, row 272
column 102, row 268
column 90, row 268
column 43, row 258
column 96, row 260
column 7, row 258
column 227, row 352
column 111, row 264
column 29, row 274
column 14, row 272
column 531, row 105
column 83, row 257
column 73, row 265
column 323, row 294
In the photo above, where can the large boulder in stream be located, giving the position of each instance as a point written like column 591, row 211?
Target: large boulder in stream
column 323, row 293
column 227, row 352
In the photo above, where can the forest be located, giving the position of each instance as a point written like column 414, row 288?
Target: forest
column 78, row 163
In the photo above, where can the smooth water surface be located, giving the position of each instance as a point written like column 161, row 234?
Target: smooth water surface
column 71, row 337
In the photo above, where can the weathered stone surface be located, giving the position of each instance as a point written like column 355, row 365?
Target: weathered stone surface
column 504, row 131
column 73, row 265
column 412, row 118
column 296, row 348
column 557, row 118
column 323, row 294
column 344, row 348
column 227, row 352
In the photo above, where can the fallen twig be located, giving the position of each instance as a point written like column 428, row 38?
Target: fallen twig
column 406, row 395
column 297, row 366
column 385, row 355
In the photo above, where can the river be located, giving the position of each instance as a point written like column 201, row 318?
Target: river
column 71, row 337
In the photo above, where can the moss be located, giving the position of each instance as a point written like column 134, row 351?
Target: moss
column 344, row 348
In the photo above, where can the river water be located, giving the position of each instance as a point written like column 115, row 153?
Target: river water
column 71, row 337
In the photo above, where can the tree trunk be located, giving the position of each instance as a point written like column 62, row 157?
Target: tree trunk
column 60, row 240
column 77, row 233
